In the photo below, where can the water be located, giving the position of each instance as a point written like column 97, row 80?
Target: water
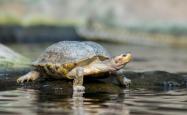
column 130, row 102
column 56, row 98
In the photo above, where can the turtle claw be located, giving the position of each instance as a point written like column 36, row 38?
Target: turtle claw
column 23, row 79
column 19, row 81
column 126, row 81
column 31, row 76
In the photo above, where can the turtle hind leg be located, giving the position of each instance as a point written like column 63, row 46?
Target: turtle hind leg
column 31, row 76
column 78, row 80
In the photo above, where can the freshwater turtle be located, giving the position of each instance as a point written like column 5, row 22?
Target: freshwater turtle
column 75, row 60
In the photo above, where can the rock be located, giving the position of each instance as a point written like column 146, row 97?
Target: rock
column 161, row 79
column 11, row 60
column 56, row 87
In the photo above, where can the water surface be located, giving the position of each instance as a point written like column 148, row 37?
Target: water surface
column 130, row 102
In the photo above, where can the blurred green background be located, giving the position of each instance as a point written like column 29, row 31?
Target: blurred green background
column 149, row 20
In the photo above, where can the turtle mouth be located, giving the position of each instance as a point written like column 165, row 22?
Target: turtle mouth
column 127, row 57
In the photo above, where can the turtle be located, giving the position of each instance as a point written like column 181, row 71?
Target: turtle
column 77, row 60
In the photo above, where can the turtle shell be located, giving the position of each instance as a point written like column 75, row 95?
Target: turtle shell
column 67, row 52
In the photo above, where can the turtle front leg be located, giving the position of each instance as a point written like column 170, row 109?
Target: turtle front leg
column 78, row 80
column 121, row 78
column 31, row 76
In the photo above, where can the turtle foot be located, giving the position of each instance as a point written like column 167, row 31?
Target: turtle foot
column 78, row 91
column 31, row 76
column 78, row 88
column 126, row 81
column 24, row 79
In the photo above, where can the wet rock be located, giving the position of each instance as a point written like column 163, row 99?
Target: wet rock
column 57, row 87
column 11, row 61
column 148, row 80
column 152, row 79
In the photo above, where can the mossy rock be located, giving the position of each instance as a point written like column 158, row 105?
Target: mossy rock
column 10, row 59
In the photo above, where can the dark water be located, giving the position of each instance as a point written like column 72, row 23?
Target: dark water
column 128, row 102
column 54, row 100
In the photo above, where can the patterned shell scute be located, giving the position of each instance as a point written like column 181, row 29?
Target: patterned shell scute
column 71, row 51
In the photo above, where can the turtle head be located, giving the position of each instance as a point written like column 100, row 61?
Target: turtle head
column 122, row 59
